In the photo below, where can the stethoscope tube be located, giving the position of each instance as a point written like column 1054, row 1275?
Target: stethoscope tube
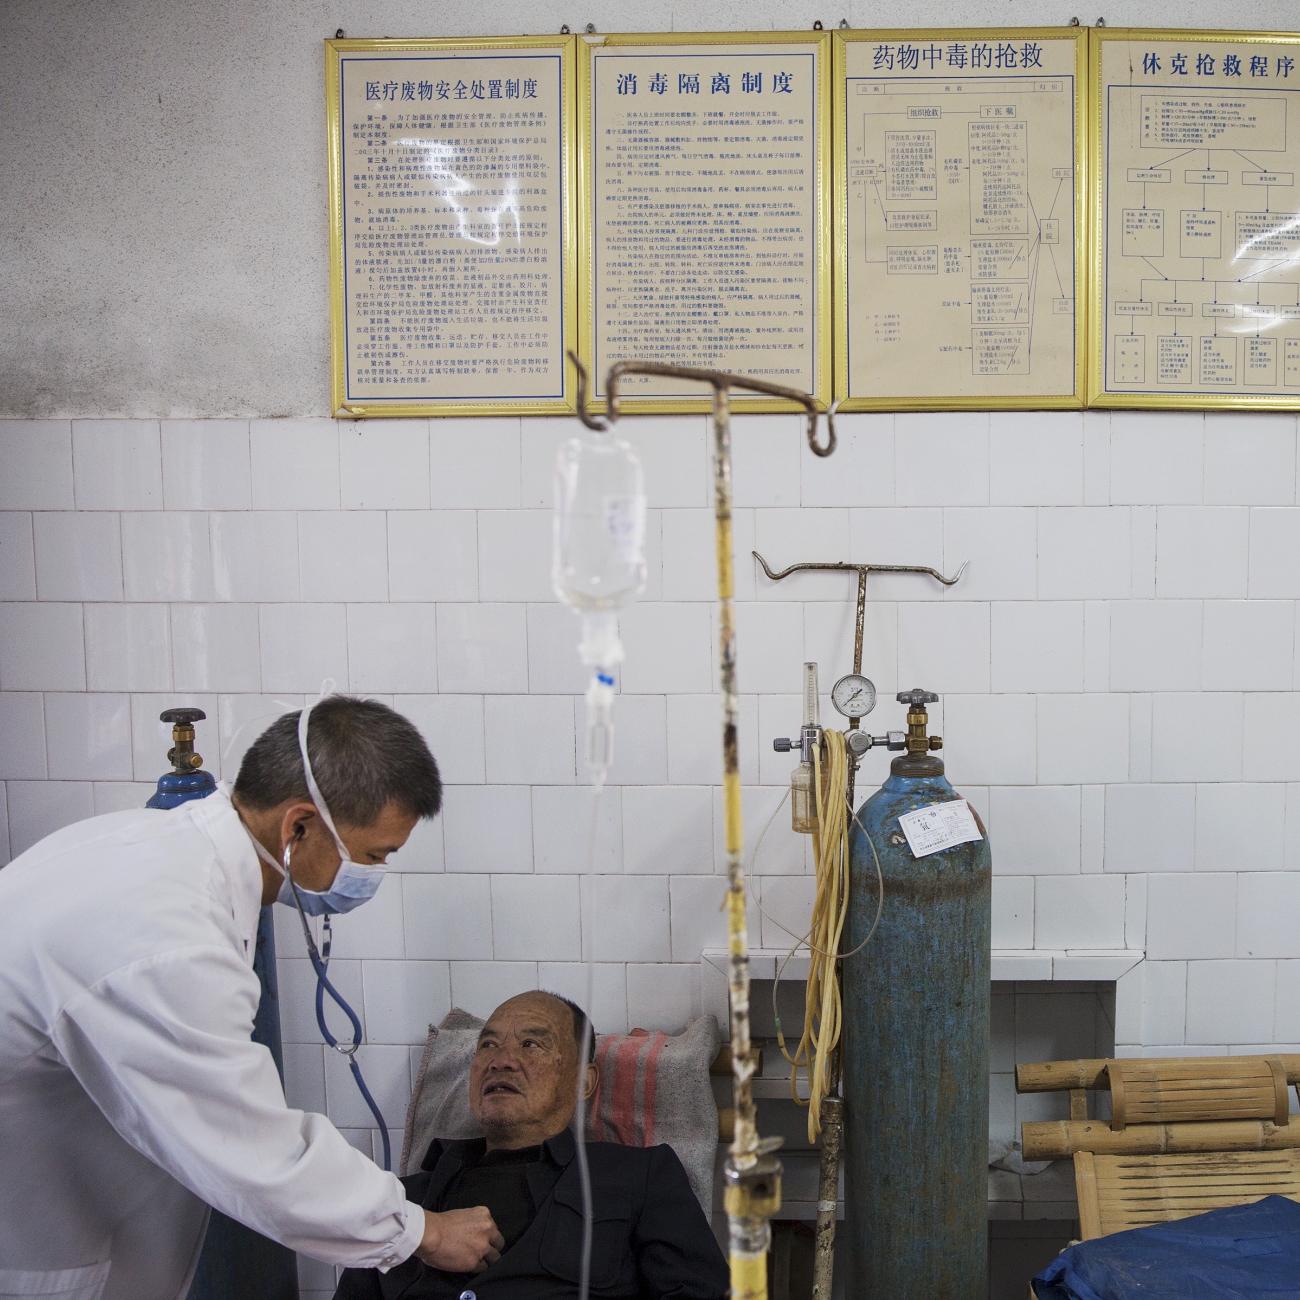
column 320, row 960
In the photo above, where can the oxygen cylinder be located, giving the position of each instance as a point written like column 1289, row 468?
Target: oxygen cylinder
column 916, row 1063
column 235, row 1261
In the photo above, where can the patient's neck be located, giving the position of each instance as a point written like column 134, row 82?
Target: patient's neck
column 514, row 1138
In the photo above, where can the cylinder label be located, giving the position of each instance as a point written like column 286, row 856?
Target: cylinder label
column 939, row 826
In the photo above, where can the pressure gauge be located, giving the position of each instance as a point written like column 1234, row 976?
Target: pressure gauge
column 853, row 695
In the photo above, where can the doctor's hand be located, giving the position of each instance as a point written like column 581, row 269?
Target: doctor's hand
column 460, row 1241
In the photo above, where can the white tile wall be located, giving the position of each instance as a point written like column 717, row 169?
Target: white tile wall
column 17, row 556
column 255, row 555
column 1037, row 830
column 384, row 464
column 1150, row 827
column 475, row 464
column 432, row 555
column 295, row 464
column 1250, row 459
column 1085, row 553
column 205, row 465
column 88, row 737
column 117, row 464
column 1191, row 916
column 78, row 555
column 1121, row 657
column 392, row 648
column 1038, row 647
column 1267, row 903
column 166, row 556
column 1240, row 827
column 1000, row 543
column 37, row 456
column 1033, row 461
column 343, row 554
column 1248, row 645
column 1230, row 1001
column 1083, row 738
column 860, row 473
column 1156, row 459
column 942, row 459
column 22, row 736
column 128, row 648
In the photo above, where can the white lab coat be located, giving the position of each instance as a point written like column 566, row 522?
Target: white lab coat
column 130, row 1092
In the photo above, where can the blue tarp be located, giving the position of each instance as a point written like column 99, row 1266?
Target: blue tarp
column 1243, row 1252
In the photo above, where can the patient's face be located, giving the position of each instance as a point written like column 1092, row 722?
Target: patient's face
column 522, row 1083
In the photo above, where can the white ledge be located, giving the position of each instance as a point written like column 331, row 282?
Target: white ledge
column 1063, row 963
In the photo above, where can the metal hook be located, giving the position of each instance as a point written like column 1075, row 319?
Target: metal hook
column 844, row 566
column 584, row 392
column 719, row 380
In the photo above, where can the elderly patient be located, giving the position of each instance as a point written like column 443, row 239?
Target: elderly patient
column 650, row 1238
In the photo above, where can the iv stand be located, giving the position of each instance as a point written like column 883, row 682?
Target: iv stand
column 832, row 1119
column 753, row 1171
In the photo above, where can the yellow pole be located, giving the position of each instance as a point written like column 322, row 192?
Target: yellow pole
column 753, row 1173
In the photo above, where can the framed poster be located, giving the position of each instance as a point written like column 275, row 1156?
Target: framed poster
column 1196, row 272
column 452, row 270
column 704, row 175
column 960, row 231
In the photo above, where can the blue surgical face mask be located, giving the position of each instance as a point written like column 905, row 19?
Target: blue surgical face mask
column 353, row 883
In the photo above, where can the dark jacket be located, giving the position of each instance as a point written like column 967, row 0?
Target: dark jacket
column 650, row 1239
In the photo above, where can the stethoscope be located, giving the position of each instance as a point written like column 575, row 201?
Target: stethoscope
column 320, row 960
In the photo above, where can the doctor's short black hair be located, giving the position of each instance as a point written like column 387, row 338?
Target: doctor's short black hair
column 364, row 756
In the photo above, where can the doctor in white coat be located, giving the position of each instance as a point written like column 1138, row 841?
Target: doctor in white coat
column 131, row 1094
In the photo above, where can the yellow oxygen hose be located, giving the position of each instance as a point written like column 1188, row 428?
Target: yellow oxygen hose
column 823, row 1012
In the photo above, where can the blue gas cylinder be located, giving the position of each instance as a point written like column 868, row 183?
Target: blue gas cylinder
column 235, row 1261
column 916, row 1043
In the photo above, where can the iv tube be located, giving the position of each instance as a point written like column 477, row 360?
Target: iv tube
column 599, row 564
column 598, row 567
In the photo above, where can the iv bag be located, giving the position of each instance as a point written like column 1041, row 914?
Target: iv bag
column 599, row 558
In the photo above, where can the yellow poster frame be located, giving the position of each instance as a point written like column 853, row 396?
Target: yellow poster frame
column 823, row 311
column 339, row 404
column 1097, row 397
column 1074, row 400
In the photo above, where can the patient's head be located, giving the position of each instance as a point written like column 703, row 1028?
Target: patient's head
column 523, row 1078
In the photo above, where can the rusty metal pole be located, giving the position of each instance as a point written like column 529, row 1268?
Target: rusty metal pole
column 832, row 1107
column 753, row 1172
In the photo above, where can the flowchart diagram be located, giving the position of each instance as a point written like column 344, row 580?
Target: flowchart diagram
column 960, row 220
column 1201, row 253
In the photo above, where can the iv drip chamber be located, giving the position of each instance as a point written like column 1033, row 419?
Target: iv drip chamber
column 598, row 564
column 599, row 557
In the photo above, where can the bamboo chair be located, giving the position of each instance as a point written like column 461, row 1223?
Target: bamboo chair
column 1185, row 1135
